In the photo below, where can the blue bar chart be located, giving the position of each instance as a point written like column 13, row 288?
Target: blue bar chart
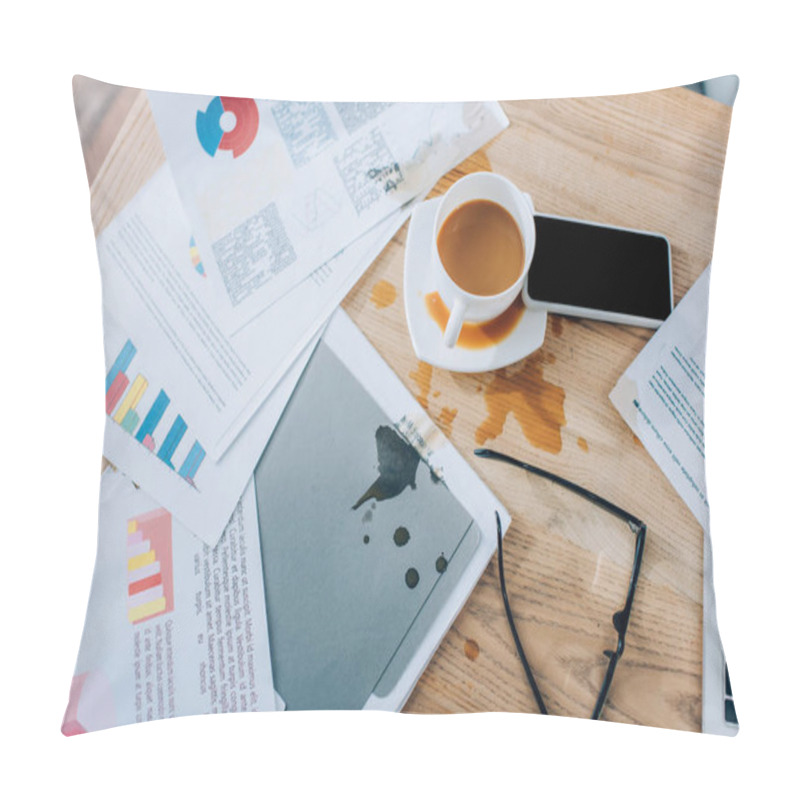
column 127, row 398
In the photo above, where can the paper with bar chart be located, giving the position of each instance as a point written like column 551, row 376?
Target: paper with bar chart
column 150, row 437
column 156, row 284
column 174, row 627
column 149, row 547
column 124, row 404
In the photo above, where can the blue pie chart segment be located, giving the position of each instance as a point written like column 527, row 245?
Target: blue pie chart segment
column 209, row 130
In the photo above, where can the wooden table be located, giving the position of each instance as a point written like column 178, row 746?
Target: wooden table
column 652, row 161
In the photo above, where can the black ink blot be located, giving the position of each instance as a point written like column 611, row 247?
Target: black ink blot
column 441, row 564
column 366, row 539
column 401, row 536
column 412, row 578
column 397, row 466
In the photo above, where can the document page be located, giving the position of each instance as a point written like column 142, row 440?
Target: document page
column 155, row 285
column 661, row 397
column 174, row 627
column 151, row 435
column 273, row 189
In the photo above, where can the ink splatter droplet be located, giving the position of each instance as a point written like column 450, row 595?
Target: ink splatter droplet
column 412, row 578
column 366, row 539
column 401, row 536
column 441, row 564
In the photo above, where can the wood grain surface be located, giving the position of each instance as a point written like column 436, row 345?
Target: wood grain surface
column 652, row 161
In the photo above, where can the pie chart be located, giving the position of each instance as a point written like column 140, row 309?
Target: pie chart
column 228, row 123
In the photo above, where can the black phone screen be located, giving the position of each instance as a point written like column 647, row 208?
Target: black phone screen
column 606, row 269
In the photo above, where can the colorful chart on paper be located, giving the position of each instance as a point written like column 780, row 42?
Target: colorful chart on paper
column 162, row 431
column 149, row 549
column 228, row 123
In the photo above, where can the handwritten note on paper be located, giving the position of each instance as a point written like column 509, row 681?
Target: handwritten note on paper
column 661, row 397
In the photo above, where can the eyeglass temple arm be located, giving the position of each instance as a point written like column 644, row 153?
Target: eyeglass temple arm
column 485, row 452
column 520, row 652
column 621, row 620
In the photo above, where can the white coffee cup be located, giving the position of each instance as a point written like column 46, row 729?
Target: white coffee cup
column 464, row 306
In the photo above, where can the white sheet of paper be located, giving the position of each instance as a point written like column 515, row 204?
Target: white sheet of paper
column 661, row 396
column 274, row 189
column 157, row 294
column 161, row 450
column 173, row 627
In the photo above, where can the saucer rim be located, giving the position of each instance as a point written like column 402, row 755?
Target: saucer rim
column 463, row 355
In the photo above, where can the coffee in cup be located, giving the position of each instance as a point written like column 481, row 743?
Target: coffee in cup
column 481, row 247
column 484, row 238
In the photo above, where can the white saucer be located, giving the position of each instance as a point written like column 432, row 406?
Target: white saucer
column 426, row 336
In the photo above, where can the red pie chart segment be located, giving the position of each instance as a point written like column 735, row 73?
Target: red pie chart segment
column 244, row 131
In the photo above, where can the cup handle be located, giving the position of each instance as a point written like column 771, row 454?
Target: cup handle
column 455, row 322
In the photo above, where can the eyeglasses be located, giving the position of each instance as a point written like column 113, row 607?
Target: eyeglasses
column 620, row 619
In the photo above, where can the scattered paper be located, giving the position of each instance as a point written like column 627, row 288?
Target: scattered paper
column 661, row 397
column 153, row 438
column 152, row 286
column 274, row 189
column 174, row 627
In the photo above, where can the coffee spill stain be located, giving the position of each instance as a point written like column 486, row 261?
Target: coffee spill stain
column 412, row 578
column 401, row 536
column 583, row 444
column 471, row 649
column 445, row 420
column 441, row 564
column 383, row 294
column 422, row 377
column 537, row 405
column 477, row 162
column 397, row 466
column 477, row 335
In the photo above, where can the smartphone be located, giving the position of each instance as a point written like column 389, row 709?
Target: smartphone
column 585, row 269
